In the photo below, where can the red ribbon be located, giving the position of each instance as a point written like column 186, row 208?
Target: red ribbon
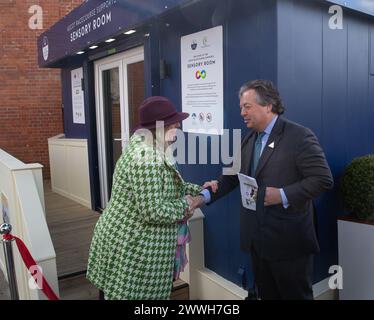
column 29, row 262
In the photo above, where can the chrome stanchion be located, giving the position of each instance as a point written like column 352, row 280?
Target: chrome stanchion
column 5, row 229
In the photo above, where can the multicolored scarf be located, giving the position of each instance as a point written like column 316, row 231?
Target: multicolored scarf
column 181, row 260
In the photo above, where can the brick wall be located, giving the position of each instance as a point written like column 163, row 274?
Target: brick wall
column 30, row 97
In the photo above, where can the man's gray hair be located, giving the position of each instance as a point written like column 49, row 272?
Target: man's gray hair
column 266, row 93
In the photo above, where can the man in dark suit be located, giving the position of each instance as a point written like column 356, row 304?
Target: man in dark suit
column 290, row 168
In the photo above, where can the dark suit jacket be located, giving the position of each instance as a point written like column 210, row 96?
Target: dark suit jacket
column 298, row 165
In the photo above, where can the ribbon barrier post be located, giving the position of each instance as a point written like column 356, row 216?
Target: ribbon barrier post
column 5, row 230
column 29, row 261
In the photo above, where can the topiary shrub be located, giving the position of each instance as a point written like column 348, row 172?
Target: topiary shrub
column 358, row 187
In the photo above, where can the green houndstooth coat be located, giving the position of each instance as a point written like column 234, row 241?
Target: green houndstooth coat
column 133, row 247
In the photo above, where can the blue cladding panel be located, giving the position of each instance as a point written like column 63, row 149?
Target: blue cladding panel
column 185, row 23
column 300, row 64
column 334, row 93
column 334, row 113
column 372, row 51
column 247, row 56
column 329, row 90
column 357, row 126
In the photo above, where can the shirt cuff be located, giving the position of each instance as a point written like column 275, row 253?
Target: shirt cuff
column 206, row 194
column 284, row 199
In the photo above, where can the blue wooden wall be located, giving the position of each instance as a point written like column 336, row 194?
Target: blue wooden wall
column 323, row 76
column 325, row 81
column 249, row 31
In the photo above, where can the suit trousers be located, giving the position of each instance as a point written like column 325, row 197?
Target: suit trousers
column 283, row 280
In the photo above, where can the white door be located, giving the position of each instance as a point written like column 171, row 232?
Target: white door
column 119, row 87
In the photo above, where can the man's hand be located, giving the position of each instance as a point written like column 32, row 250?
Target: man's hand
column 272, row 196
column 213, row 184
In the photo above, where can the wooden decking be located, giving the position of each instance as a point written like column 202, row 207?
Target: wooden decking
column 71, row 226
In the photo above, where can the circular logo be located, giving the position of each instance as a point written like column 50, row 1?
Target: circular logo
column 193, row 45
column 200, row 74
column 45, row 48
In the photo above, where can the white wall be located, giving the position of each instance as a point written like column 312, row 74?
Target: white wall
column 356, row 257
column 69, row 168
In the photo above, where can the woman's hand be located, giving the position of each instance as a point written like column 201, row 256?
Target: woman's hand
column 189, row 212
column 189, row 199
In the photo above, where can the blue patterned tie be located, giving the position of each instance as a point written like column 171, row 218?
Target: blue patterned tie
column 257, row 152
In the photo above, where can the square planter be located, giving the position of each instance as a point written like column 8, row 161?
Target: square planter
column 356, row 257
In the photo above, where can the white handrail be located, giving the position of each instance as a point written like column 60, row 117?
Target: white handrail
column 22, row 197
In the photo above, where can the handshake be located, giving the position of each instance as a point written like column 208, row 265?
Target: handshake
column 199, row 200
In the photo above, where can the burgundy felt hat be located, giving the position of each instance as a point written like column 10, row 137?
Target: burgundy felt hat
column 158, row 108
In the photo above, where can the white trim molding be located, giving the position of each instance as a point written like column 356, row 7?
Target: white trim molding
column 322, row 291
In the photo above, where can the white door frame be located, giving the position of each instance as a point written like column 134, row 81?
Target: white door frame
column 121, row 61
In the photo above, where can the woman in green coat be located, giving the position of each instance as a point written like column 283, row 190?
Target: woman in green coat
column 134, row 243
